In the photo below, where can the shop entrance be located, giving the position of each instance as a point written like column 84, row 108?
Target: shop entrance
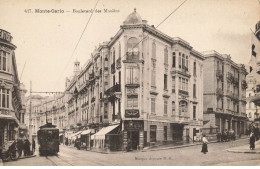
column 133, row 141
column 177, row 132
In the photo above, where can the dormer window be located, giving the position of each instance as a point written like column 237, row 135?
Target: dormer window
column 132, row 49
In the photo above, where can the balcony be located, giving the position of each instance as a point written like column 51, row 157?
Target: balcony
column 113, row 69
column 219, row 75
column 132, row 56
column 182, row 92
column 244, row 84
column 230, row 77
column 111, row 91
column 118, row 63
column 219, row 92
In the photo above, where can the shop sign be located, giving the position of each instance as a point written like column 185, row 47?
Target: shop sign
column 133, row 113
column 134, row 125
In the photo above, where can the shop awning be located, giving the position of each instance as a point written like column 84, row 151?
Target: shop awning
column 102, row 133
column 76, row 134
column 85, row 132
column 8, row 117
column 61, row 134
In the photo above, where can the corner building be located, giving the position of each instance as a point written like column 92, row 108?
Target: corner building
column 149, row 81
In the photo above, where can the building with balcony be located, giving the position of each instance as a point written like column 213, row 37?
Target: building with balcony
column 256, row 72
column 224, row 94
column 11, row 109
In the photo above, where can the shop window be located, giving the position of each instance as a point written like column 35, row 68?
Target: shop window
column 153, row 133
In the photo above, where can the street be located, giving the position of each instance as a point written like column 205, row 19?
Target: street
column 217, row 155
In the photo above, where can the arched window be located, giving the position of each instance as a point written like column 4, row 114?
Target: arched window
column 154, row 50
column 166, row 56
column 132, row 49
column 183, row 107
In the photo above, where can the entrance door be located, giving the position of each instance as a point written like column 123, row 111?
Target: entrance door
column 177, row 132
column 1, row 138
column 134, row 139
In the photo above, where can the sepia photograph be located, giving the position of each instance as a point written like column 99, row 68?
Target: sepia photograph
column 129, row 83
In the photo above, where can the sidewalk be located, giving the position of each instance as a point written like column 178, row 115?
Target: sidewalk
column 246, row 149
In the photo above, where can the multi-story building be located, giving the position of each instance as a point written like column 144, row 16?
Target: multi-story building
column 256, row 57
column 143, row 78
column 140, row 88
column 224, row 94
column 10, row 96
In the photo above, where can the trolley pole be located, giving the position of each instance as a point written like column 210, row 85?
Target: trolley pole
column 30, row 114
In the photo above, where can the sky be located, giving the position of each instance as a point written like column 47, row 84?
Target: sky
column 46, row 41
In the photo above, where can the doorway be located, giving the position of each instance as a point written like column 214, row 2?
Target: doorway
column 133, row 139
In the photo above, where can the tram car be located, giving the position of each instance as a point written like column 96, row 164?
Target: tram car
column 48, row 139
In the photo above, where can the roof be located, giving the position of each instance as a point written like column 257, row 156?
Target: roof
column 102, row 133
column 133, row 18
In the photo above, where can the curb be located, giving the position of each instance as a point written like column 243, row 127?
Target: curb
column 247, row 152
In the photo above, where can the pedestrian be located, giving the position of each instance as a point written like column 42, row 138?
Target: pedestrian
column 33, row 145
column 257, row 133
column 204, row 144
column 20, row 147
column 252, row 141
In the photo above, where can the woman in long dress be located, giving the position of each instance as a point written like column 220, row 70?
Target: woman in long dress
column 204, row 145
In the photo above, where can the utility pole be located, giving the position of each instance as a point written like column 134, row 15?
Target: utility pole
column 30, row 115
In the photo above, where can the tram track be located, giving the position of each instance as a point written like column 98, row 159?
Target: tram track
column 55, row 162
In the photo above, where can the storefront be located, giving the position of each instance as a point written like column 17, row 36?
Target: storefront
column 108, row 138
column 133, row 135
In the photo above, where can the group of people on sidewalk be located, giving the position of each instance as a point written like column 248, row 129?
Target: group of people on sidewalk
column 23, row 147
column 226, row 136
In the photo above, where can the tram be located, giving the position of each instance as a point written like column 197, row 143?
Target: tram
column 48, row 139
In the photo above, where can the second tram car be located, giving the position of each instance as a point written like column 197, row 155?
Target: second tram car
column 48, row 139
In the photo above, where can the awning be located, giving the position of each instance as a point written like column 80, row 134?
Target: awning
column 8, row 117
column 101, row 134
column 76, row 134
column 85, row 132
column 61, row 134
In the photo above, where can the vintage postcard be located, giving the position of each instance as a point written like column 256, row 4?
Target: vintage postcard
column 129, row 83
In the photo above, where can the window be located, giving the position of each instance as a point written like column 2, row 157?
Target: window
column 180, row 60
column 228, row 103
column 132, row 101
column 194, row 90
column 183, row 61
column 180, row 83
column 165, row 56
column 194, row 69
column 194, row 112
column 165, row 106
column 165, row 82
column 4, row 98
column 250, row 115
column 173, row 107
column 4, row 61
column 0, row 60
column 132, row 75
column 187, row 63
column 154, row 50
column 153, row 105
column 183, row 107
column 153, row 83
column 173, row 84
column 153, row 129
column 114, row 55
column 173, row 60
column 132, row 49
column 11, row 132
